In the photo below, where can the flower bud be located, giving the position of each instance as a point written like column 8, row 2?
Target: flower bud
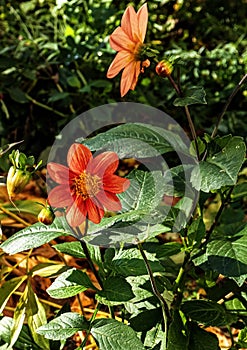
column 17, row 179
column 164, row 68
column 46, row 215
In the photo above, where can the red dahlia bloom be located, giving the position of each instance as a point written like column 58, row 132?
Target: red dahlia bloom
column 87, row 186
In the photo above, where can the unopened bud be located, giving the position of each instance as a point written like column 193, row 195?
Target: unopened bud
column 164, row 68
column 46, row 215
column 17, row 179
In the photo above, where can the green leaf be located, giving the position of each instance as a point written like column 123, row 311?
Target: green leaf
column 57, row 96
column 63, row 326
column 8, row 288
column 71, row 248
column 24, row 340
column 207, row 312
column 177, row 334
column 236, row 305
column 36, row 235
column 138, row 210
column 74, row 81
column 70, row 283
column 17, row 95
column 192, row 95
column 129, row 262
column 145, row 320
column 18, row 318
column 137, row 140
column 23, row 206
column 201, row 339
column 111, row 335
column 242, row 338
column 196, row 232
column 168, row 249
column 239, row 191
column 228, row 257
column 145, row 192
column 116, row 291
column 36, row 317
column 221, row 169
column 125, row 228
column 48, row 269
column 141, row 287
column 75, row 249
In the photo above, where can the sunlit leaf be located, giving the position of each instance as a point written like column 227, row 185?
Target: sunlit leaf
column 36, row 317
column 110, row 295
column 8, row 288
column 70, row 283
column 36, row 235
column 63, row 326
column 111, row 335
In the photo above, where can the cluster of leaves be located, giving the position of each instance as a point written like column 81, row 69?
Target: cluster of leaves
column 123, row 275
column 54, row 56
column 148, row 280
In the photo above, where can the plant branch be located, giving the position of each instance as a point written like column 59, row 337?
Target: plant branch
column 89, row 328
column 188, row 116
column 86, row 252
column 235, row 90
column 14, row 216
column 164, row 306
column 44, row 106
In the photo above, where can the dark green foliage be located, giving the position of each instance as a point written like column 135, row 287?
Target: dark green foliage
column 54, row 59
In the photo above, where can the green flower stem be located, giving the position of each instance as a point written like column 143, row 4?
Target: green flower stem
column 164, row 306
column 91, row 264
column 86, row 252
column 224, row 203
column 188, row 116
column 229, row 100
column 44, row 106
column 89, row 328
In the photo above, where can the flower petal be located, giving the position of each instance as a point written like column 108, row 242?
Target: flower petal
column 94, row 211
column 137, row 72
column 76, row 213
column 109, row 200
column 78, row 157
column 115, row 184
column 119, row 41
column 120, row 61
column 130, row 25
column 58, row 172
column 103, row 164
column 129, row 78
column 60, row 196
column 142, row 17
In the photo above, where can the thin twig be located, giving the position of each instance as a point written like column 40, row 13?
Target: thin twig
column 188, row 116
column 229, row 100
column 37, row 103
column 89, row 260
column 164, row 306
column 14, row 216
column 89, row 328
column 218, row 215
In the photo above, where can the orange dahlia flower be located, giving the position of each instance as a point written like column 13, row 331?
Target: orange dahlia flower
column 128, row 41
column 87, row 186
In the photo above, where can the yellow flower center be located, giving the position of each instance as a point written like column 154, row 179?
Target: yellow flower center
column 87, row 185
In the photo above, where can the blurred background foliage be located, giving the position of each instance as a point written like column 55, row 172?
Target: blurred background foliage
column 54, row 56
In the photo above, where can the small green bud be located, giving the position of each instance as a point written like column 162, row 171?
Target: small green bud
column 46, row 215
column 17, row 179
